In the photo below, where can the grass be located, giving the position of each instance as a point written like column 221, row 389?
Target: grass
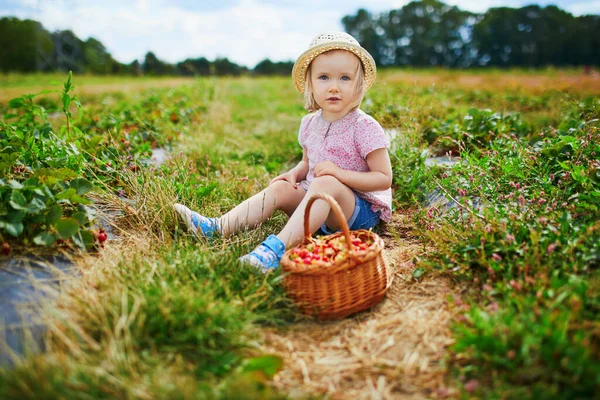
column 158, row 314
column 24, row 81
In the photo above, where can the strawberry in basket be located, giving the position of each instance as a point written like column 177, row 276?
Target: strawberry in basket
column 328, row 250
column 336, row 275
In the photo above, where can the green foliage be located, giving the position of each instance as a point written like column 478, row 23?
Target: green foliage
column 46, row 213
column 21, row 40
column 177, row 318
column 477, row 128
column 409, row 172
column 529, row 249
column 431, row 33
column 42, row 190
column 43, row 169
column 542, row 338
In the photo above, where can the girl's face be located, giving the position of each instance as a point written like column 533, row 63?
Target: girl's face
column 332, row 78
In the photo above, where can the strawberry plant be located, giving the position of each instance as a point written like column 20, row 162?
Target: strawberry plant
column 42, row 190
column 476, row 129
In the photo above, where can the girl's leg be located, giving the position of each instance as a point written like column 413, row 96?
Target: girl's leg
column 268, row 254
column 293, row 232
column 280, row 195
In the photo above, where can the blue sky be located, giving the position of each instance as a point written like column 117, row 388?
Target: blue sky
column 245, row 31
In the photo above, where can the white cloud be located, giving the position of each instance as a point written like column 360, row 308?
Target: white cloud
column 585, row 7
column 245, row 33
column 479, row 6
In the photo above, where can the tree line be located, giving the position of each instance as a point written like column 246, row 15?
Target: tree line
column 26, row 46
column 422, row 33
column 430, row 32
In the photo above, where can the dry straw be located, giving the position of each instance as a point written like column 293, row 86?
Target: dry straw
column 337, row 289
column 396, row 350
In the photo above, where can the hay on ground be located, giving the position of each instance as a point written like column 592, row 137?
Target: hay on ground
column 394, row 350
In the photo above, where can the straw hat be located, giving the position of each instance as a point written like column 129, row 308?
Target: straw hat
column 328, row 41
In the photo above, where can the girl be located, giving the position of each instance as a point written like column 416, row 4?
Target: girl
column 344, row 155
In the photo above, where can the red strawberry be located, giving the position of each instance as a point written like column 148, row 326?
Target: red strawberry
column 102, row 236
column 6, row 249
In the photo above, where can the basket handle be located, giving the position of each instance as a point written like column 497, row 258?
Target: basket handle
column 337, row 210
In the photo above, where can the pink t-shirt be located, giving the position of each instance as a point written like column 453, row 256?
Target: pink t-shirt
column 345, row 142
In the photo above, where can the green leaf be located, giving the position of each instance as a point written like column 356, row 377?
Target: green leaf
column 60, row 173
column 78, row 240
column 19, row 102
column 14, row 184
column 203, row 191
column 87, row 238
column 67, row 227
column 66, row 100
column 82, row 186
column 44, row 239
column 81, row 217
column 268, row 364
column 36, row 205
column 16, row 216
column 18, row 201
column 12, row 228
column 93, row 142
column 66, row 194
column 32, row 182
column 76, row 199
column 47, row 91
column 36, row 219
column 68, row 82
column 54, row 214
column 418, row 272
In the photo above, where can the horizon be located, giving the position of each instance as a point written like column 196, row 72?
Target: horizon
column 255, row 29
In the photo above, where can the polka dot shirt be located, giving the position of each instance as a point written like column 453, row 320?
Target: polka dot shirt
column 345, row 142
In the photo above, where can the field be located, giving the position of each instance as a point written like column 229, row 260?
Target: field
column 496, row 294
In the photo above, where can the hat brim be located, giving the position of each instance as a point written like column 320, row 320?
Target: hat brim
column 302, row 63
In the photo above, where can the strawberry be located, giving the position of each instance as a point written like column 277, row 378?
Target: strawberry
column 6, row 249
column 101, row 236
column 329, row 250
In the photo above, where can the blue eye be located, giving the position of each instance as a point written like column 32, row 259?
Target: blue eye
column 323, row 77
column 345, row 78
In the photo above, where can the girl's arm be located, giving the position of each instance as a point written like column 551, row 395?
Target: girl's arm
column 295, row 174
column 378, row 178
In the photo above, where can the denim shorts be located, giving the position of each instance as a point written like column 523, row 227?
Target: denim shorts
column 363, row 217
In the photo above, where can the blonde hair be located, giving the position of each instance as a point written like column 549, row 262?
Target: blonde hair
column 310, row 103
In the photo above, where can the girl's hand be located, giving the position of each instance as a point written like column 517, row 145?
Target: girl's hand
column 327, row 168
column 288, row 176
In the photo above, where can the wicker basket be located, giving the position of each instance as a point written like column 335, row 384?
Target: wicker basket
column 330, row 290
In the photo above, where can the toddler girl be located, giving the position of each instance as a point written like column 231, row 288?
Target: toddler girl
column 344, row 155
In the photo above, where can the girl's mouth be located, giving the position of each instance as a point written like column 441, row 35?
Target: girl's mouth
column 333, row 99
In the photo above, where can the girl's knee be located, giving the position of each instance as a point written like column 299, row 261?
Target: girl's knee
column 285, row 194
column 281, row 188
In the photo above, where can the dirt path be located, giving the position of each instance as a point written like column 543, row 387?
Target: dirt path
column 393, row 351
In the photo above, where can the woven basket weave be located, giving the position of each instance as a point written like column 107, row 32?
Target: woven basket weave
column 330, row 290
